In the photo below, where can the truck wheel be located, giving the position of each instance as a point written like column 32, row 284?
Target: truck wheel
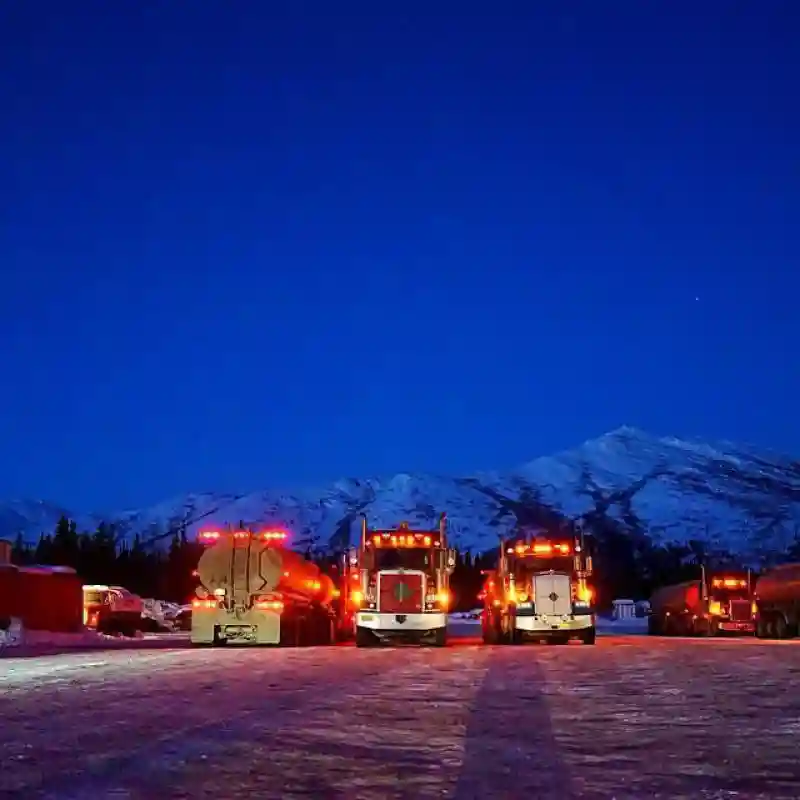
column 780, row 627
column 364, row 637
column 654, row 626
column 514, row 636
column 440, row 638
column 490, row 630
column 589, row 636
column 762, row 628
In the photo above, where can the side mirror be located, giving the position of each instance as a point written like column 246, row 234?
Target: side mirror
column 451, row 559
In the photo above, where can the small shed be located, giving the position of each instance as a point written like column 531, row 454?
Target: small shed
column 623, row 609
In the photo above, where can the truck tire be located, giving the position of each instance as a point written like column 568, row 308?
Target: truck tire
column 490, row 631
column 762, row 628
column 440, row 638
column 780, row 627
column 654, row 626
column 515, row 637
column 589, row 636
column 364, row 637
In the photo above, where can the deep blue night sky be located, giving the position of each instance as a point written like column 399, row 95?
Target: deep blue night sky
column 243, row 247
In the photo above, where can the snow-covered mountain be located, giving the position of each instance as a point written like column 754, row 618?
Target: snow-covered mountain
column 729, row 496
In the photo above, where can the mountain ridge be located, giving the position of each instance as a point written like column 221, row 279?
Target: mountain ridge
column 731, row 497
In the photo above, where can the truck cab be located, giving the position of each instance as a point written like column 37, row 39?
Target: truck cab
column 539, row 591
column 112, row 609
column 718, row 602
column 399, row 585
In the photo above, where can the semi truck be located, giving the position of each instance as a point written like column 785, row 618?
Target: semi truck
column 112, row 609
column 777, row 600
column 398, row 584
column 539, row 591
column 254, row 590
column 716, row 603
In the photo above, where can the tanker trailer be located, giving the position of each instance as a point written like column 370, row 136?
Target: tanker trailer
column 256, row 591
column 778, row 603
column 711, row 605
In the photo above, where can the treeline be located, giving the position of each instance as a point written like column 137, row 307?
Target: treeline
column 625, row 565
column 104, row 557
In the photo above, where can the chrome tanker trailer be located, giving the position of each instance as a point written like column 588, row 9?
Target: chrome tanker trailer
column 778, row 603
column 253, row 590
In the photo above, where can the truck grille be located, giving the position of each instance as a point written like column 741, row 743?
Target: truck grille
column 740, row 611
column 400, row 593
column 552, row 595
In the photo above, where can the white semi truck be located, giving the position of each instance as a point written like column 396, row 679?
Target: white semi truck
column 539, row 591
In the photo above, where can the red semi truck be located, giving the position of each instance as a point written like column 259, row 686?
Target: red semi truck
column 778, row 603
column 398, row 585
column 714, row 603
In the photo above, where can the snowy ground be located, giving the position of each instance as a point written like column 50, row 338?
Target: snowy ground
column 40, row 643
column 633, row 717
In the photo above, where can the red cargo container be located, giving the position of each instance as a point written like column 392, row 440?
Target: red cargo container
column 44, row 598
column 52, row 599
column 9, row 597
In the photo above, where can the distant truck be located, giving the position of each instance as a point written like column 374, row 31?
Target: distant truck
column 112, row 609
column 711, row 605
column 254, row 591
column 398, row 585
column 777, row 599
column 539, row 591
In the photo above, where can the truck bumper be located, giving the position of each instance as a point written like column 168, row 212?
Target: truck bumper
column 543, row 625
column 252, row 627
column 736, row 627
column 411, row 626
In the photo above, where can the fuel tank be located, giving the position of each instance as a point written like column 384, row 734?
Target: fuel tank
column 677, row 598
column 246, row 568
column 780, row 584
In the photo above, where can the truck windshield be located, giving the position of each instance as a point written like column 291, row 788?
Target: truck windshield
column 724, row 594
column 94, row 598
column 525, row 567
column 404, row 558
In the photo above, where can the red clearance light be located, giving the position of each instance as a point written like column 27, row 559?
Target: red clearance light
column 269, row 605
column 729, row 583
column 540, row 549
column 273, row 535
column 241, row 535
column 208, row 536
column 402, row 537
column 205, row 603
